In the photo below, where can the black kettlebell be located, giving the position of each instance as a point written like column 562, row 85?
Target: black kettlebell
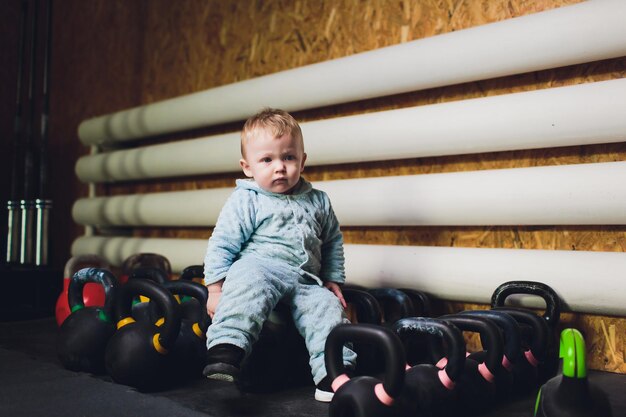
column 265, row 369
column 189, row 304
column 535, row 335
column 189, row 351
column 551, row 315
column 365, row 396
column 429, row 390
column 512, row 349
column 571, row 394
column 394, row 303
column 420, row 301
column 366, row 307
column 84, row 334
column 142, row 308
column 367, row 311
column 477, row 383
column 150, row 260
column 138, row 352
column 191, row 272
column 416, row 345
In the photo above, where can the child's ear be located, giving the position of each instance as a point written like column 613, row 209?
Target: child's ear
column 245, row 167
column 303, row 161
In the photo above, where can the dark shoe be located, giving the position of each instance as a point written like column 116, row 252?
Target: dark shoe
column 223, row 362
column 323, row 390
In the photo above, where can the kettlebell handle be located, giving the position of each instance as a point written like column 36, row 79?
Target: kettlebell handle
column 397, row 297
column 367, row 308
column 153, row 260
column 551, row 298
column 539, row 327
column 442, row 329
column 78, row 262
column 490, row 337
column 191, row 272
column 193, row 290
column 96, row 275
column 382, row 337
column 510, row 329
column 157, row 294
column 151, row 273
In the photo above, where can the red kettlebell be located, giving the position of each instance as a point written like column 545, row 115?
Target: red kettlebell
column 138, row 354
column 83, row 336
column 93, row 294
column 428, row 389
column 365, row 396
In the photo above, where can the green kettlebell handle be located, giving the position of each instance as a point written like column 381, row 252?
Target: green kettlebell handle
column 573, row 353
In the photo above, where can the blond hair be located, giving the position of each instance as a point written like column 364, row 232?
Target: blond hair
column 277, row 121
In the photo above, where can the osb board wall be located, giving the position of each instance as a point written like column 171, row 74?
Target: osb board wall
column 113, row 54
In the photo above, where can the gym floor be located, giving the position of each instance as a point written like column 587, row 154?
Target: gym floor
column 35, row 384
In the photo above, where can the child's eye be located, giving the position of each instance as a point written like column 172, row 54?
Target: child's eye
column 266, row 160
column 289, row 158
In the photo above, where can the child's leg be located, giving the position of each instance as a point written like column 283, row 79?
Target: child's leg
column 316, row 311
column 250, row 292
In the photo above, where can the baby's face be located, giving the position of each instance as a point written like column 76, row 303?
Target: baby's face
column 274, row 163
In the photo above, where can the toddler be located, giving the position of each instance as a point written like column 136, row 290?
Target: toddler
column 276, row 239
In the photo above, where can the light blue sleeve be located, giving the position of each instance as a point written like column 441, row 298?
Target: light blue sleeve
column 233, row 228
column 332, row 268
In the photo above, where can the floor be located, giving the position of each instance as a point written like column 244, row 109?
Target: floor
column 33, row 383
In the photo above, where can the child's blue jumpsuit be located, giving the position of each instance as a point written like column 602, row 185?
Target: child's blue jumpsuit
column 276, row 247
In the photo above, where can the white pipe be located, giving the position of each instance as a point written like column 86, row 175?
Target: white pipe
column 154, row 209
column 91, row 191
column 590, row 282
column 584, row 32
column 583, row 194
column 566, row 116
column 115, row 249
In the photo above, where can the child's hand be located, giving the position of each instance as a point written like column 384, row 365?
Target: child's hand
column 215, row 292
column 336, row 289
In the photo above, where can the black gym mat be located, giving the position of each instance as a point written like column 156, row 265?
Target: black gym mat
column 33, row 383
